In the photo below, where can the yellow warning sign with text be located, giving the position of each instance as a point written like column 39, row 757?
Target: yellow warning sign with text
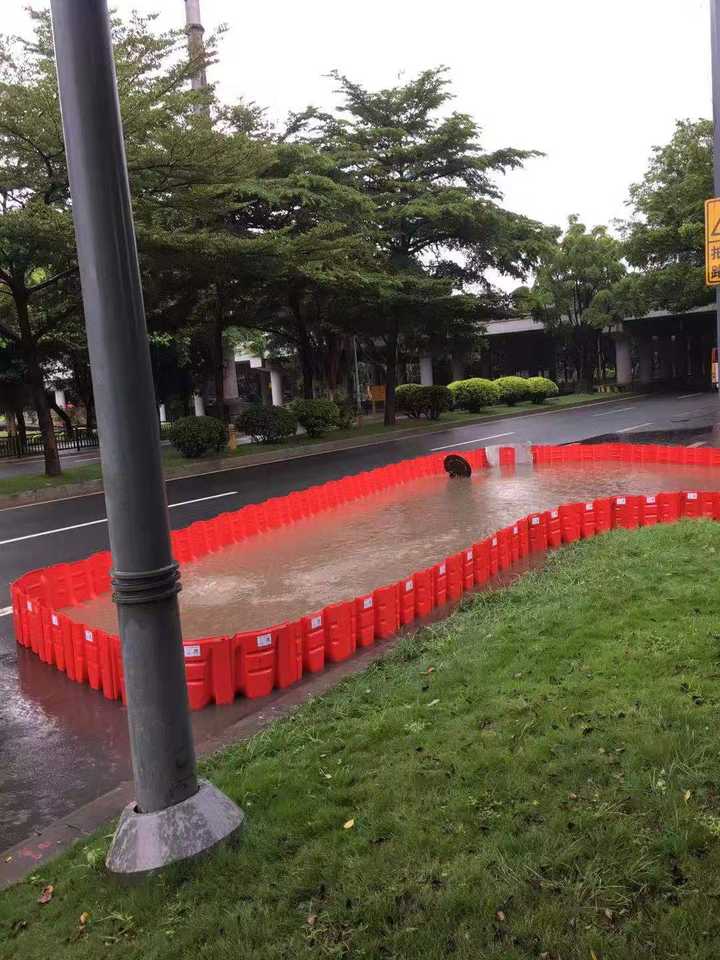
column 712, row 242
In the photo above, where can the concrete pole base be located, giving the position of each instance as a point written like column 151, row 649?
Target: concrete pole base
column 146, row 842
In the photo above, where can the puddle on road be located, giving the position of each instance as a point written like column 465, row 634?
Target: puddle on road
column 363, row 545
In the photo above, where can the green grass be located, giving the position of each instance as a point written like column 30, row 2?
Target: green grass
column 538, row 777
column 23, row 483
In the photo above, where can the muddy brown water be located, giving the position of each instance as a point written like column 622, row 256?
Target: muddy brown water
column 360, row 546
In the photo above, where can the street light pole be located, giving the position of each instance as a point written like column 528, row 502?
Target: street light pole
column 174, row 816
column 715, row 53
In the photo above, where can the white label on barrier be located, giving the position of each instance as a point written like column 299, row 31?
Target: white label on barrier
column 316, row 623
column 621, row 501
column 264, row 640
column 469, row 555
column 589, row 506
column 29, row 606
column 367, row 603
column 553, row 514
column 692, row 496
column 89, row 636
column 191, row 652
column 54, row 619
column 442, row 569
column 409, row 585
column 535, row 521
column 494, row 541
column 515, row 529
column 649, row 499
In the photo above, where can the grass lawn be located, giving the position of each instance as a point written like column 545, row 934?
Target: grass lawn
column 537, row 777
column 174, row 462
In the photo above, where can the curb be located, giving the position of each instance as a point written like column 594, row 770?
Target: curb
column 95, row 487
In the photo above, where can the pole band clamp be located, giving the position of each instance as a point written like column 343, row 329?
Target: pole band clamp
column 145, row 586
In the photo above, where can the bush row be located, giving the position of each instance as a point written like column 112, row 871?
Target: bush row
column 476, row 393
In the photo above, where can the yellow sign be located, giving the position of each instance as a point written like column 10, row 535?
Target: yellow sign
column 712, row 242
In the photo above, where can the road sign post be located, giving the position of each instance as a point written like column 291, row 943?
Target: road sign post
column 174, row 817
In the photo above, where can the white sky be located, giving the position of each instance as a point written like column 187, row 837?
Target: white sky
column 592, row 83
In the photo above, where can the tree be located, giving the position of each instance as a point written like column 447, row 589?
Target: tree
column 665, row 237
column 570, row 292
column 170, row 146
column 433, row 194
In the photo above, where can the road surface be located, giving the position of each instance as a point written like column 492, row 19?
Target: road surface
column 62, row 745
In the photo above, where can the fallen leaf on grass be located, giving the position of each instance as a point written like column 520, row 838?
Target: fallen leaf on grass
column 348, row 825
column 593, row 955
column 686, row 796
column 47, row 894
column 433, row 703
column 311, row 919
column 429, row 670
column 84, row 917
column 608, row 913
column 500, row 916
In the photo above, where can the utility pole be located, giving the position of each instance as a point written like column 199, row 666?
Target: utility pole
column 174, row 816
column 196, row 48
column 715, row 50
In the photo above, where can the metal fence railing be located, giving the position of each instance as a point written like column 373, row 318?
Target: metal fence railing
column 81, row 439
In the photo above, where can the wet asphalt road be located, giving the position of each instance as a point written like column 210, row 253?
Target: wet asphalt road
column 62, row 745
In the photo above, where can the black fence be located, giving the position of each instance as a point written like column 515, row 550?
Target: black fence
column 81, row 439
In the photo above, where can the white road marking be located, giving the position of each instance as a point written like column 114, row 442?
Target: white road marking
column 636, row 427
column 686, row 396
column 5, row 611
column 464, row 443
column 611, row 413
column 700, row 443
column 92, row 523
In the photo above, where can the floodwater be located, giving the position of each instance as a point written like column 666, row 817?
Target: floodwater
column 356, row 548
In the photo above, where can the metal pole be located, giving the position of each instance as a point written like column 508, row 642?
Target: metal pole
column 715, row 54
column 357, row 376
column 145, row 576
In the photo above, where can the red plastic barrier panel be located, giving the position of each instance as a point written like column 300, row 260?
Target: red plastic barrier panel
column 340, row 631
column 56, row 639
column 514, row 543
column 181, row 547
column 625, row 514
column 468, row 568
column 365, row 616
column 707, row 504
column 59, row 587
column 690, row 504
column 80, row 584
column 99, row 565
column 406, row 600
column 91, row 646
column 571, row 522
column 68, row 646
column 440, row 589
column 198, row 672
column 289, row 654
column 504, row 548
column 45, row 651
column 494, row 555
column 668, row 506
column 385, row 601
column 198, row 539
column 454, row 566
column 77, row 632
column 424, row 592
column 648, row 511
column 255, row 654
column 313, row 634
column 225, row 533
column 32, row 624
column 587, row 523
column 481, row 553
column 523, row 526
column 603, row 514
column 507, row 457
column 538, row 532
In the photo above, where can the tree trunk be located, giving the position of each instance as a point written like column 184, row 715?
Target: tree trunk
column 304, row 346
column 391, row 362
column 40, row 402
column 219, row 370
column 21, row 427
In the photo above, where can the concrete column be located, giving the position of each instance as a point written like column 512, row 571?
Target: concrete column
column 647, row 350
column 458, row 368
column 199, row 405
column 623, row 359
column 60, row 398
column 230, row 375
column 276, row 386
column 426, row 370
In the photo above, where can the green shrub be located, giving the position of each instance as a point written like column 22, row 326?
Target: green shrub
column 541, row 388
column 347, row 414
column 474, row 394
column 267, row 424
column 417, row 400
column 317, row 417
column 198, row 436
column 512, row 390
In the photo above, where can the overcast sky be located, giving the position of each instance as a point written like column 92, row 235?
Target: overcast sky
column 594, row 84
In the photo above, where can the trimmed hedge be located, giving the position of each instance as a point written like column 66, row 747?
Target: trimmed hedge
column 198, row 436
column 513, row 390
column 541, row 388
column 317, row 417
column 417, row 400
column 267, row 424
column 474, row 394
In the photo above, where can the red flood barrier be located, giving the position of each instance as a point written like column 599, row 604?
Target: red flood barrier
column 253, row 663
